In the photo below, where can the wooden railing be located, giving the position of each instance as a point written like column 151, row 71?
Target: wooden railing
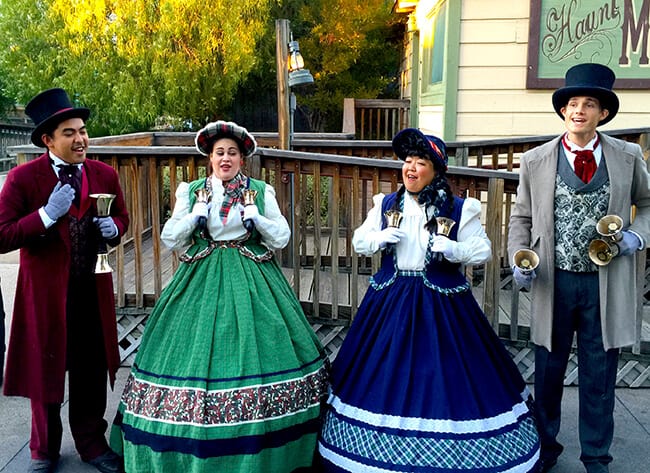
column 12, row 135
column 375, row 119
column 343, row 189
column 503, row 153
column 326, row 274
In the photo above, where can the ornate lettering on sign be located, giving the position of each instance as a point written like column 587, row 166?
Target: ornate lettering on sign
column 615, row 33
column 575, row 33
column 637, row 30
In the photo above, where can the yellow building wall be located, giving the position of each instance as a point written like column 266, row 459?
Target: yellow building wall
column 492, row 99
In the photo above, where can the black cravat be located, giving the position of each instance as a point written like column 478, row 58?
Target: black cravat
column 71, row 174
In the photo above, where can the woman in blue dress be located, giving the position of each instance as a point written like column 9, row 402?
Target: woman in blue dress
column 422, row 383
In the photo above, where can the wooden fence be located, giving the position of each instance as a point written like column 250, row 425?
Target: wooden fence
column 12, row 135
column 502, row 153
column 341, row 187
column 375, row 119
column 325, row 196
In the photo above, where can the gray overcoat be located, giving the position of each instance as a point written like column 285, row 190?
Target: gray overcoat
column 532, row 226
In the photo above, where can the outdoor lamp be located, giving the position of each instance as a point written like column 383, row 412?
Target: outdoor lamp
column 297, row 74
column 296, row 61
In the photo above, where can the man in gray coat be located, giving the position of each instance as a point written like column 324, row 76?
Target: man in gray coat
column 566, row 186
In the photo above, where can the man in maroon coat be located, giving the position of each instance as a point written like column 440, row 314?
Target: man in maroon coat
column 64, row 313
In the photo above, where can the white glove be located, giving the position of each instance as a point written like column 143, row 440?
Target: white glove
column 199, row 210
column 59, row 201
column 442, row 244
column 251, row 212
column 106, row 226
column 389, row 235
column 523, row 280
column 629, row 244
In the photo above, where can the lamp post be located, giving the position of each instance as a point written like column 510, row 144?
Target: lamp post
column 282, row 71
column 290, row 73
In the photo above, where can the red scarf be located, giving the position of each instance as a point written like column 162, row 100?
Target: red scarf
column 585, row 162
column 232, row 191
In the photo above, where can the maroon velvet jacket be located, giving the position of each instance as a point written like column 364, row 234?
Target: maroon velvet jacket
column 36, row 354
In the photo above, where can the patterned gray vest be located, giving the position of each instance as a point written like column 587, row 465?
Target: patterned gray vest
column 578, row 207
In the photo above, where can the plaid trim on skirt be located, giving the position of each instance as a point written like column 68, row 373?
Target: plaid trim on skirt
column 423, row 384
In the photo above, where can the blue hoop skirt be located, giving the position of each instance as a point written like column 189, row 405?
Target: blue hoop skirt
column 423, row 384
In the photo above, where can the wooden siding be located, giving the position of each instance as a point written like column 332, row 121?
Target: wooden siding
column 492, row 99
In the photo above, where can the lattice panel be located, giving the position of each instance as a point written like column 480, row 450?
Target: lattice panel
column 633, row 372
column 524, row 358
column 130, row 325
column 331, row 337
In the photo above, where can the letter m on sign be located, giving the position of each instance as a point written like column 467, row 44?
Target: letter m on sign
column 635, row 28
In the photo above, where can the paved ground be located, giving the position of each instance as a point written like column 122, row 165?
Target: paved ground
column 631, row 447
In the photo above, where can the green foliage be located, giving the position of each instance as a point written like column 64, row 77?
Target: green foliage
column 351, row 47
column 24, row 33
column 6, row 102
column 132, row 61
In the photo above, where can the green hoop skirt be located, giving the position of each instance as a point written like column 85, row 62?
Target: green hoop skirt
column 229, row 377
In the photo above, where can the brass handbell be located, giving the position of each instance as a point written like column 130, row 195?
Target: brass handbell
column 102, row 266
column 526, row 260
column 610, row 226
column 393, row 218
column 445, row 225
column 203, row 195
column 103, row 203
column 249, row 195
column 603, row 250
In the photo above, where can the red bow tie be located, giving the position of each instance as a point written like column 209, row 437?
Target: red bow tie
column 585, row 163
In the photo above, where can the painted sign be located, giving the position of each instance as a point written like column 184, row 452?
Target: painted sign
column 567, row 32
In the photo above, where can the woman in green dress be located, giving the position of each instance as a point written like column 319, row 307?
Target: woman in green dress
column 229, row 376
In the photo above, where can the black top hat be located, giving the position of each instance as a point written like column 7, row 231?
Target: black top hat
column 48, row 109
column 412, row 142
column 588, row 80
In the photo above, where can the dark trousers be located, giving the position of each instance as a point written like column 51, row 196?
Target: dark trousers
column 576, row 310
column 87, row 404
column 87, row 380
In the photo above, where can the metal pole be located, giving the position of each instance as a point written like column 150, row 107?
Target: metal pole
column 292, row 117
column 281, row 56
column 292, row 111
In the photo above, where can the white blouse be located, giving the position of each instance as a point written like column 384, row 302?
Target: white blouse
column 177, row 231
column 473, row 246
